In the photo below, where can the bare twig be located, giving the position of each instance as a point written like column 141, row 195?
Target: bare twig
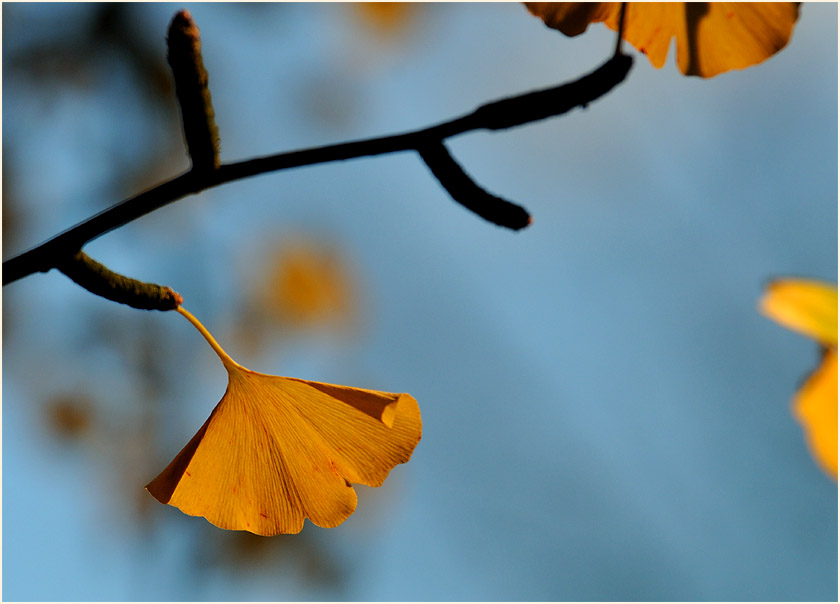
column 501, row 114
column 197, row 116
column 465, row 191
column 100, row 280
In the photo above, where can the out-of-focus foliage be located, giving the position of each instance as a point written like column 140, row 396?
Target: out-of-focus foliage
column 276, row 450
column 70, row 416
column 308, row 285
column 374, row 37
column 111, row 35
column 810, row 307
column 815, row 406
column 712, row 37
column 387, row 19
column 302, row 285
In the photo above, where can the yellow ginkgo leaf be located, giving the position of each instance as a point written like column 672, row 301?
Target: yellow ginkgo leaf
column 712, row 37
column 276, row 450
column 815, row 406
column 810, row 307
column 803, row 305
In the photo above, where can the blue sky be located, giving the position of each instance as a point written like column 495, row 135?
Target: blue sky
column 606, row 415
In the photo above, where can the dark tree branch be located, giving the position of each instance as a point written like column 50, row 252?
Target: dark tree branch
column 61, row 247
column 550, row 102
column 506, row 113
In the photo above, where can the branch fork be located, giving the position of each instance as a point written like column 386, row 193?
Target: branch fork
column 201, row 138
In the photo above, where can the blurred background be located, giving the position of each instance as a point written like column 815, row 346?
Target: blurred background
column 606, row 415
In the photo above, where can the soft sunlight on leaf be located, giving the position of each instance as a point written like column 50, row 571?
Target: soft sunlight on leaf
column 712, row 37
column 276, row 450
column 810, row 307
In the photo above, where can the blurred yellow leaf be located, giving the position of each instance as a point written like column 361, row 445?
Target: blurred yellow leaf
column 810, row 307
column 308, row 284
column 712, row 37
column 276, row 450
column 70, row 416
column 386, row 18
column 815, row 407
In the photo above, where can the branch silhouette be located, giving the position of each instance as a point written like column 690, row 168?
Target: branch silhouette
column 201, row 139
column 102, row 281
column 466, row 192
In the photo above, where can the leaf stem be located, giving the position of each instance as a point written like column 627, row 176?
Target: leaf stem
column 621, row 15
column 227, row 361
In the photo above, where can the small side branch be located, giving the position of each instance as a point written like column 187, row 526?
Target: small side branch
column 197, row 115
column 102, row 281
column 465, row 191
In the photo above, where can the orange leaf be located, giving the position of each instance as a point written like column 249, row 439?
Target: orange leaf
column 276, row 450
column 712, row 37
column 815, row 406
column 809, row 307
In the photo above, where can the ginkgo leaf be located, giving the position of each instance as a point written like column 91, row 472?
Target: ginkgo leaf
column 803, row 305
column 712, row 37
column 810, row 307
column 815, row 407
column 276, row 450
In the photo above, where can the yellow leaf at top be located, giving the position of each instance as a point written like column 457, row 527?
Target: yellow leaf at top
column 806, row 306
column 712, row 37
column 815, row 406
column 276, row 450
